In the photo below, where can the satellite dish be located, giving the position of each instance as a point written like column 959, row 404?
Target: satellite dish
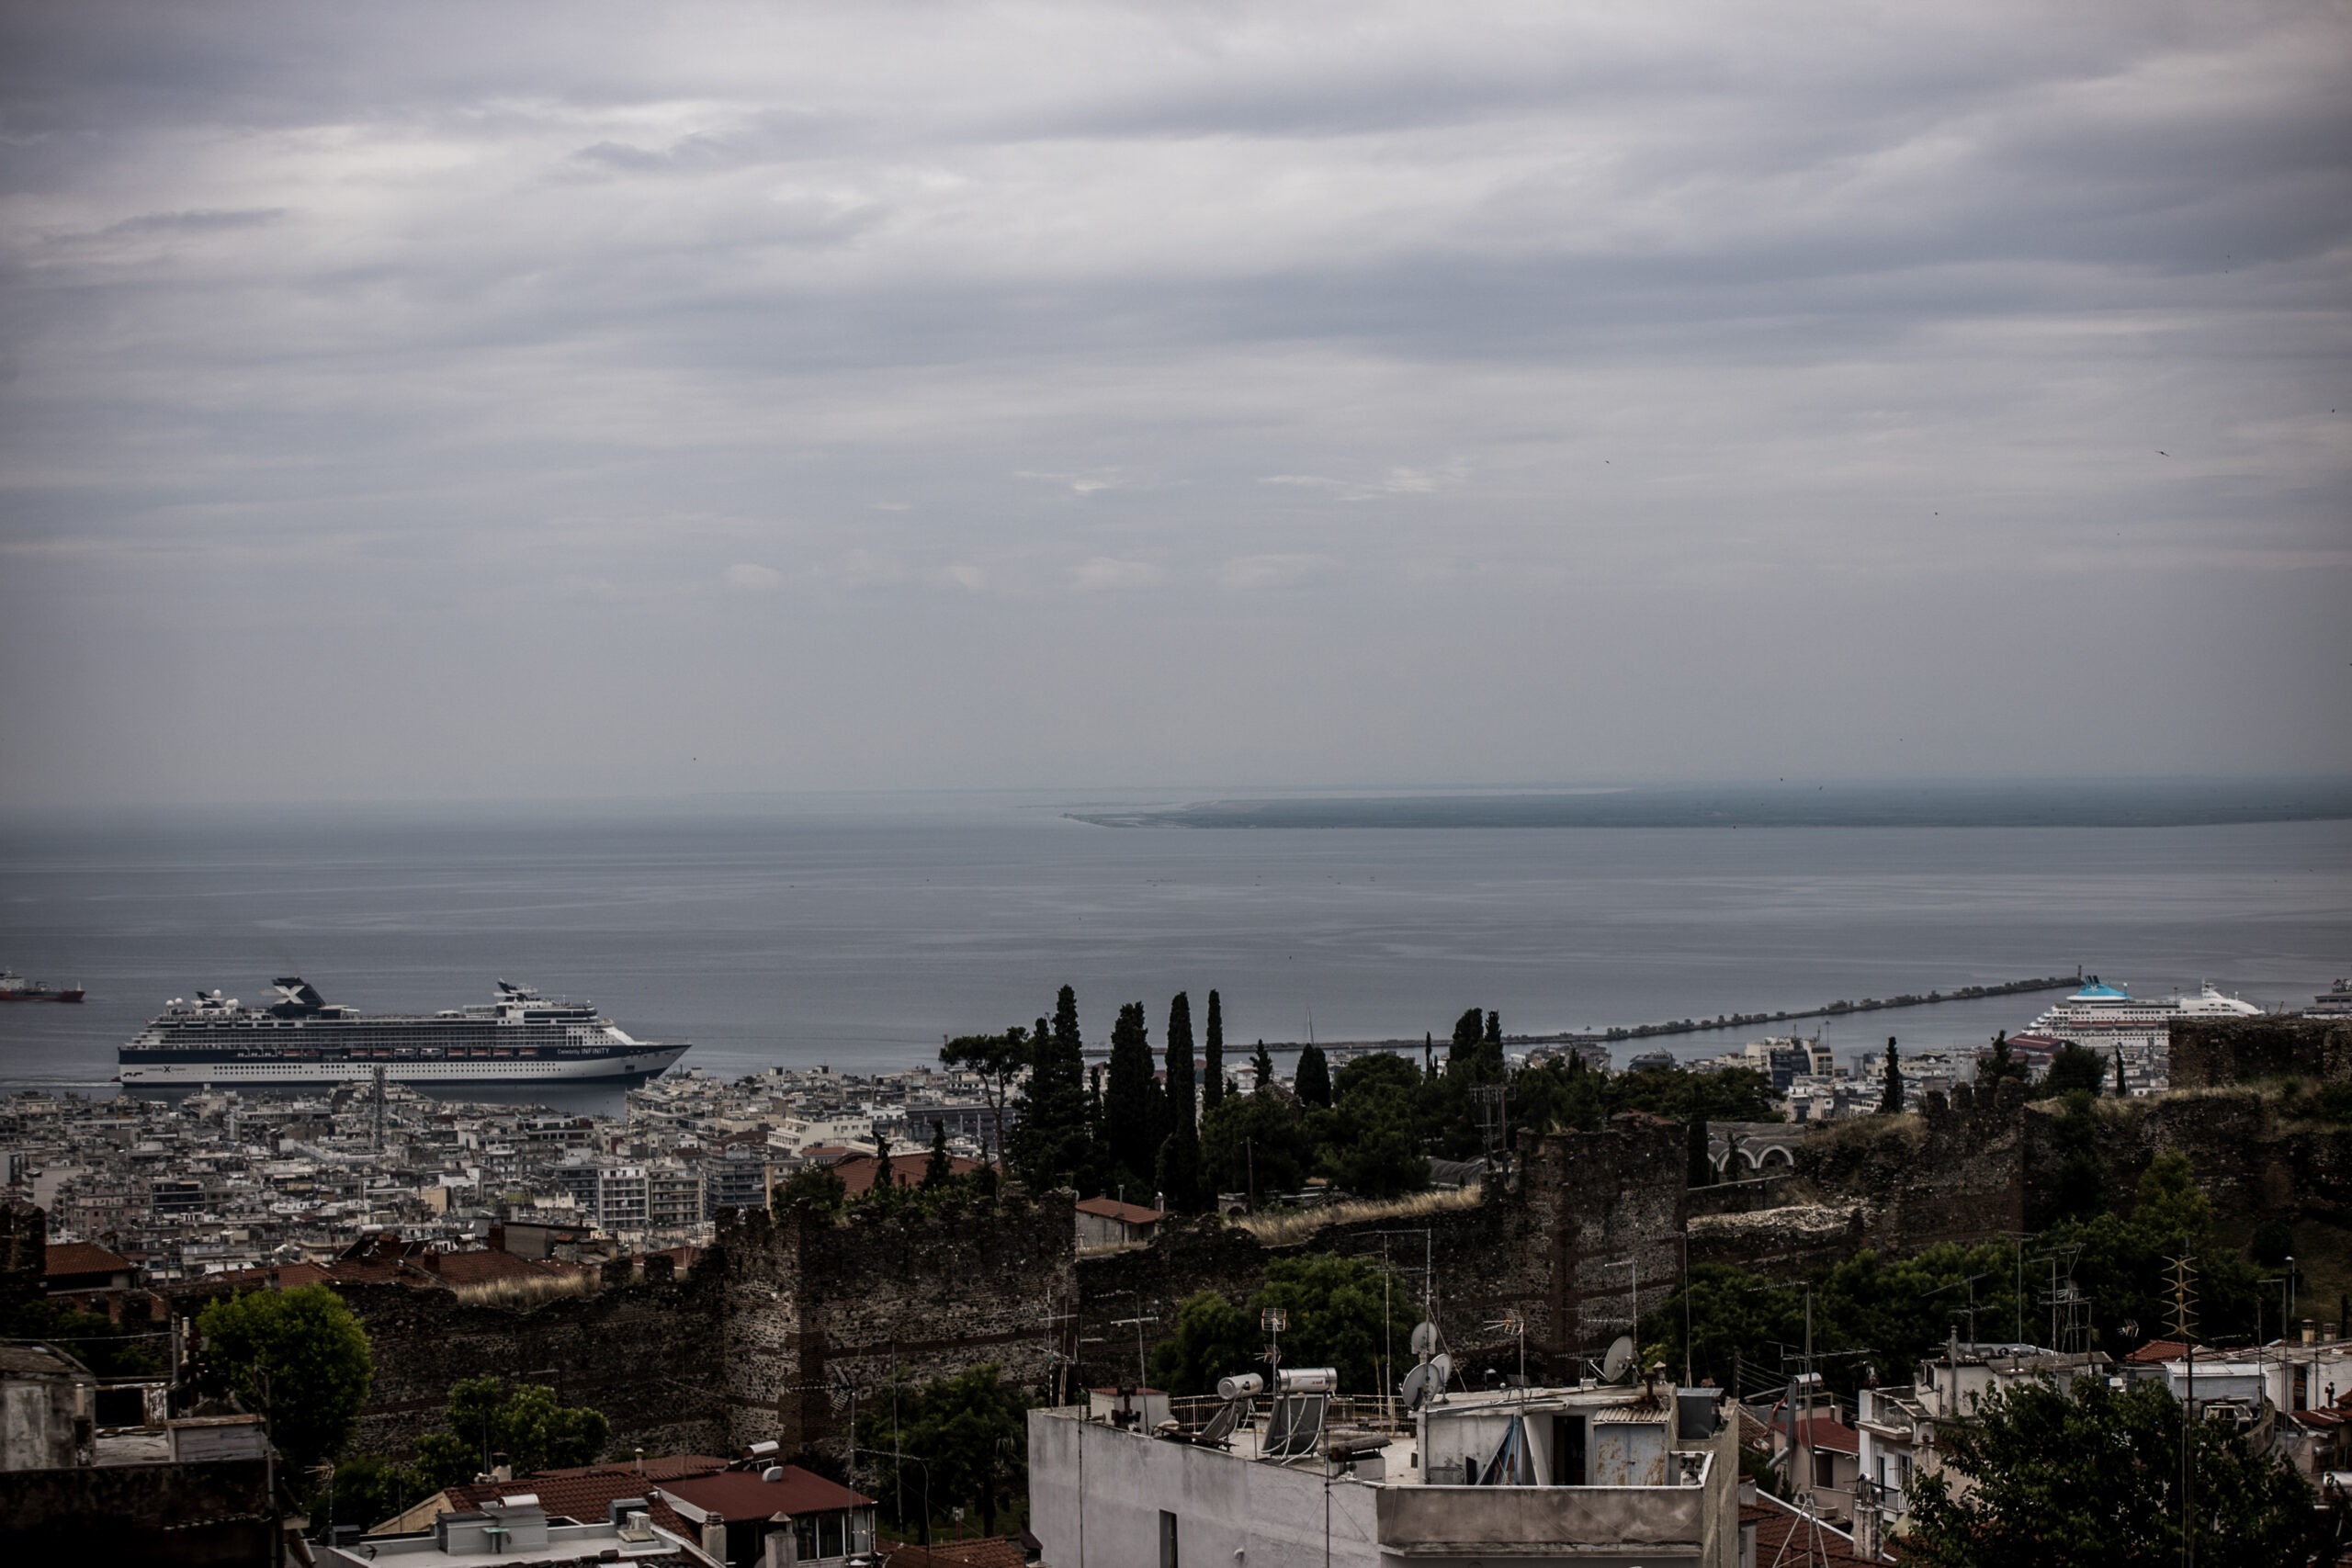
column 1424, row 1338
column 1416, row 1390
column 1441, row 1375
column 1620, row 1357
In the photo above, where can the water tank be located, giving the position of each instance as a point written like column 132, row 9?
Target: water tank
column 1308, row 1380
column 1241, row 1385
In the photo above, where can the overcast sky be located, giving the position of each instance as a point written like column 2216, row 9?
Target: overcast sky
column 503, row 399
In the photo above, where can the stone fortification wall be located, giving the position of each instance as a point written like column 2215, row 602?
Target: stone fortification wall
column 1551, row 1244
column 2212, row 1053
column 648, row 1355
column 1956, row 1171
column 816, row 1314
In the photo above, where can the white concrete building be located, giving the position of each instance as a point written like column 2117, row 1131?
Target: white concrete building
column 1594, row 1476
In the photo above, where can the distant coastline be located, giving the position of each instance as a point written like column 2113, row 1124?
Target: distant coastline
column 2066, row 804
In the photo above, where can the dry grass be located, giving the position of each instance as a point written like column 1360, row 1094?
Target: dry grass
column 1281, row 1230
column 527, row 1292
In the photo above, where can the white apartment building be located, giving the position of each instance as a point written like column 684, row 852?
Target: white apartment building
column 1604, row 1477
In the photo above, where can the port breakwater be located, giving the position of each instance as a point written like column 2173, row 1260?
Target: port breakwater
column 1839, row 1009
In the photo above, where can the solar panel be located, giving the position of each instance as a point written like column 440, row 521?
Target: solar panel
column 1221, row 1425
column 1296, row 1426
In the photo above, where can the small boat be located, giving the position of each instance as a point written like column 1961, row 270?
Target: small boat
column 14, row 988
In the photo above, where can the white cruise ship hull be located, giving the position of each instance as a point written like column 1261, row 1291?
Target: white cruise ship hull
column 634, row 1066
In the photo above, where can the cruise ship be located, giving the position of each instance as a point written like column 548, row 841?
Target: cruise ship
column 2109, row 1019
column 303, row 1038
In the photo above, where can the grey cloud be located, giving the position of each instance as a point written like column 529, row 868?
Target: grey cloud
column 1036, row 343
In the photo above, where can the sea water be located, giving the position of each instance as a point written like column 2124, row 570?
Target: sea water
column 857, row 931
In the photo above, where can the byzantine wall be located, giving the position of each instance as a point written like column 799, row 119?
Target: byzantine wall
column 2214, row 1053
column 815, row 1314
column 648, row 1353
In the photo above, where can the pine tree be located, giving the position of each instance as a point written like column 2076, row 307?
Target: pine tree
column 938, row 1169
column 1134, row 1109
column 1213, row 1057
column 1314, row 1076
column 1891, row 1102
column 1262, row 1063
column 2120, row 1092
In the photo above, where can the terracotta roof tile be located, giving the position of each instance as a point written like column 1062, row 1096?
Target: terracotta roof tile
column 990, row 1552
column 1112, row 1209
column 741, row 1495
column 82, row 1257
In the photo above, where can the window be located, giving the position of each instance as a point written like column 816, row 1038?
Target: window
column 1824, row 1473
column 1166, row 1540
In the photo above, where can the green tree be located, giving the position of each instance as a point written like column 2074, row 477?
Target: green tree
column 1314, row 1081
column 367, row 1490
column 1368, row 1142
column 998, row 1060
column 2004, row 1063
column 2082, row 1187
column 2091, row 1477
column 1053, row 1145
column 938, row 1170
column 1213, row 1056
column 1469, row 1033
column 298, row 1358
column 1135, row 1111
column 1889, row 1101
column 1343, row 1315
column 2122, row 1091
column 819, row 1186
column 1252, row 1144
column 1180, row 1151
column 1211, row 1337
column 2073, row 1067
column 964, row 1438
column 884, row 1194
column 486, row 1416
column 108, row 1349
column 1263, row 1065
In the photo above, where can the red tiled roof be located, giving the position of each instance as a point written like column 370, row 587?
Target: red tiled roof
column 1785, row 1537
column 587, row 1493
column 82, row 1257
column 741, row 1495
column 1833, row 1436
column 1112, row 1209
column 480, row 1267
column 2158, row 1351
column 989, row 1552
column 858, row 1171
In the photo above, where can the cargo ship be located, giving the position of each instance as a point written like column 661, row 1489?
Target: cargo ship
column 14, row 988
column 303, row 1038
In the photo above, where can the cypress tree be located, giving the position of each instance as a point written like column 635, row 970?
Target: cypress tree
column 885, row 1190
column 1181, row 1115
column 1262, row 1063
column 1133, row 1107
column 1180, row 1151
column 937, row 1170
column 1314, row 1076
column 1891, row 1102
column 2120, row 1092
column 1702, row 1169
column 1468, row 1031
column 1052, row 1142
column 1213, row 1057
